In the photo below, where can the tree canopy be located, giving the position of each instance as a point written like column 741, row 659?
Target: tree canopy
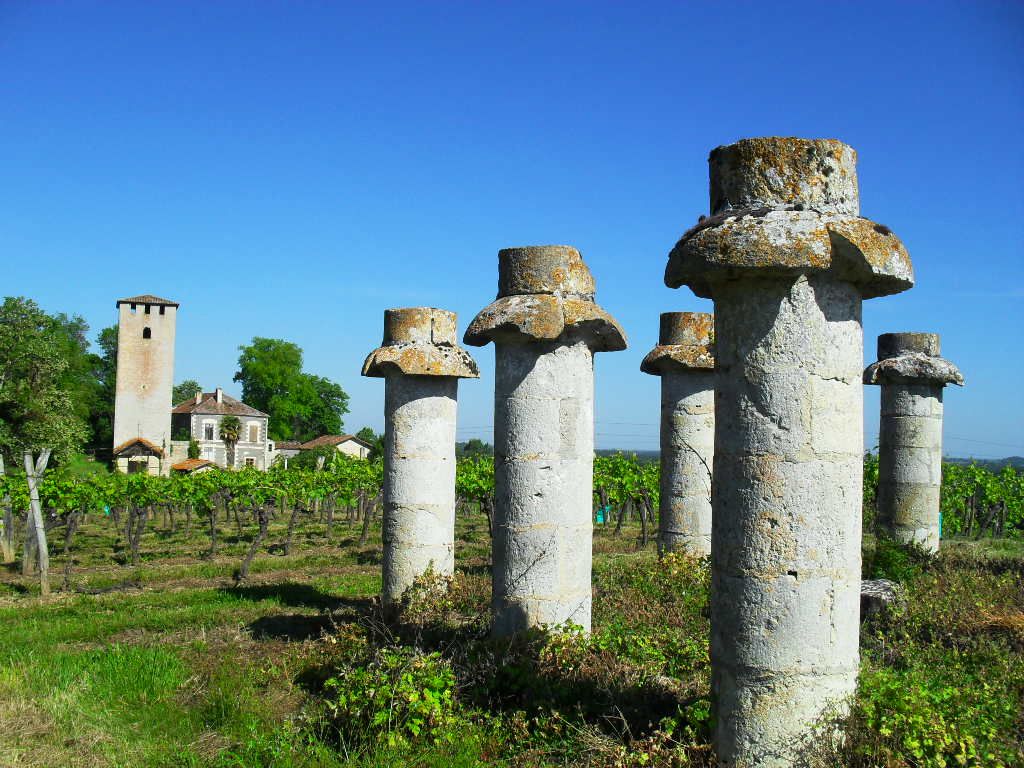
column 184, row 391
column 43, row 377
column 301, row 405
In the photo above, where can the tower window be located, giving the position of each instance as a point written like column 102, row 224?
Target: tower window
column 133, row 309
column 147, row 333
column 146, row 310
column 162, row 308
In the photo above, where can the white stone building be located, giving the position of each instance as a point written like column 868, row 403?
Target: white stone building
column 201, row 417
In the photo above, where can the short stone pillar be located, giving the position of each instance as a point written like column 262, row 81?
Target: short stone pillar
column 912, row 376
column 546, row 328
column 788, row 261
column 421, row 365
column 685, row 361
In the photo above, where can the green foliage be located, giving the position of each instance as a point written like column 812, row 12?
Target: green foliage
column 193, row 449
column 40, row 369
column 945, row 716
column 301, row 406
column 186, row 390
column 398, row 695
column 474, row 447
column 474, row 478
column 374, row 439
column 895, row 561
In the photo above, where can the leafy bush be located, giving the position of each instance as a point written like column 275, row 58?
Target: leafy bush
column 895, row 561
column 397, row 694
column 941, row 711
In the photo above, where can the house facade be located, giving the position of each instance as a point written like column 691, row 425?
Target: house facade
column 350, row 445
column 201, row 417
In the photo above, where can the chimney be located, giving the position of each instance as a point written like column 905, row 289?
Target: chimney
column 199, row 396
column 220, row 395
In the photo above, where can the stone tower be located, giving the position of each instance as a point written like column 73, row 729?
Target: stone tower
column 145, row 370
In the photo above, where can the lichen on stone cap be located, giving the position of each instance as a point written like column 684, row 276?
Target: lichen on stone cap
column 420, row 341
column 774, row 171
column 685, row 342
column 911, row 358
column 544, row 291
column 783, row 206
column 553, row 269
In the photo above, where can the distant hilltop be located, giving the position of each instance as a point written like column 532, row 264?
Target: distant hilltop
column 993, row 465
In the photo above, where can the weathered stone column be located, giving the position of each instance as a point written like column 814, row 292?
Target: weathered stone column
column 912, row 375
column 684, row 358
column 546, row 328
column 787, row 260
column 421, row 365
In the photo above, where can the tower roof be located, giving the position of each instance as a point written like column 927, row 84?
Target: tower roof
column 147, row 298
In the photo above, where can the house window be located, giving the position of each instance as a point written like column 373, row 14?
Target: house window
column 254, row 433
column 147, row 333
column 250, row 461
column 207, row 431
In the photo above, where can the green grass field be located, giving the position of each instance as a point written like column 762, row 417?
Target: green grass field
column 172, row 664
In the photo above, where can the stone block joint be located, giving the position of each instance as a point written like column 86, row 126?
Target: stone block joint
column 912, row 376
column 546, row 327
column 684, row 359
column 421, row 365
column 788, row 260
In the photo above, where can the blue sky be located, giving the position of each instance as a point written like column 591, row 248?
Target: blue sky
column 290, row 170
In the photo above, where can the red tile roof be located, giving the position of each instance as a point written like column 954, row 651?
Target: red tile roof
column 139, row 441
column 147, row 298
column 190, row 465
column 335, row 440
column 288, row 445
column 208, row 404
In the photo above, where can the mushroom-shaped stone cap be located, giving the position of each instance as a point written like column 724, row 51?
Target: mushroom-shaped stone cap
column 911, row 358
column 787, row 206
column 544, row 291
column 420, row 341
column 685, row 342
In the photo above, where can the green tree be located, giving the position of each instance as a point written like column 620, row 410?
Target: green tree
column 230, row 432
column 375, row 440
column 301, row 406
column 36, row 408
column 101, row 418
column 37, row 413
column 474, row 447
column 184, row 391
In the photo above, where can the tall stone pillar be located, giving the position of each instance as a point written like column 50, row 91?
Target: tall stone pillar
column 546, row 328
column 912, row 376
column 684, row 359
column 421, row 365
column 788, row 261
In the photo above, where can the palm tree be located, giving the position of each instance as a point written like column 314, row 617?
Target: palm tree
column 230, row 431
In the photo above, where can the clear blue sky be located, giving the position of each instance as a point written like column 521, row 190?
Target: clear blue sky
column 290, row 170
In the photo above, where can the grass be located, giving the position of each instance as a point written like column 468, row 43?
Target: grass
column 172, row 663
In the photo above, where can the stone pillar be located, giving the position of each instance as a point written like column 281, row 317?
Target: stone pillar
column 546, row 328
column 912, row 375
column 684, row 358
column 421, row 365
column 787, row 260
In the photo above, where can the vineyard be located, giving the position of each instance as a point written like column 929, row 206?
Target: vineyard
column 231, row 619
column 975, row 501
